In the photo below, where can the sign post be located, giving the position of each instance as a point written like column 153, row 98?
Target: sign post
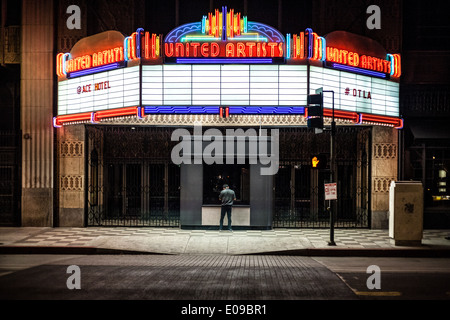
column 332, row 169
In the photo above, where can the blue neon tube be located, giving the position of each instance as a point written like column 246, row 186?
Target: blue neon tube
column 358, row 70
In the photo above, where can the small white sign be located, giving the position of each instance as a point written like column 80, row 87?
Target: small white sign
column 330, row 191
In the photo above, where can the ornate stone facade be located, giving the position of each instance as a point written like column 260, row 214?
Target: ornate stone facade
column 384, row 170
column 72, row 156
column 36, row 108
column 71, row 176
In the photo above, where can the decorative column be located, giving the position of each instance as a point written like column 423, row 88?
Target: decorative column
column 384, row 170
column 36, row 99
column 71, row 176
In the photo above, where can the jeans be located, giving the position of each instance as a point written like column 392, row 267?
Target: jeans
column 227, row 210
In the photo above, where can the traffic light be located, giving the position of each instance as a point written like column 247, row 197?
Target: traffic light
column 319, row 161
column 315, row 109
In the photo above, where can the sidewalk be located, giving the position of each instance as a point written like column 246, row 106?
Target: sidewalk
column 124, row 240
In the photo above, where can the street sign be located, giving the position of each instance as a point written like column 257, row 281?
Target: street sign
column 330, row 191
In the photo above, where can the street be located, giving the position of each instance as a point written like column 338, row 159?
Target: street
column 400, row 278
column 194, row 278
column 162, row 277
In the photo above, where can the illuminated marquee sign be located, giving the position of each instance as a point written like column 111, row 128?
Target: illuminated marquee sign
column 225, row 62
column 88, row 61
column 358, row 93
column 224, row 50
column 215, row 85
column 351, row 52
column 224, row 35
column 101, row 91
column 342, row 54
column 108, row 50
column 353, row 59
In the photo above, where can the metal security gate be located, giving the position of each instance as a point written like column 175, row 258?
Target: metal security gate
column 131, row 179
column 299, row 189
column 10, row 178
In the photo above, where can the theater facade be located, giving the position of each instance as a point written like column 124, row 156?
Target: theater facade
column 149, row 127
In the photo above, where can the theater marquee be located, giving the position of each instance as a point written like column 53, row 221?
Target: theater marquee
column 226, row 61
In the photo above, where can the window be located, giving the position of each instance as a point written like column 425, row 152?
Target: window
column 237, row 176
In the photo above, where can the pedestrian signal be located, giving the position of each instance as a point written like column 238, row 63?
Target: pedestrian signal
column 319, row 161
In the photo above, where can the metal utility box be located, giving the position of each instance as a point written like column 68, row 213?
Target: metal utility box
column 406, row 212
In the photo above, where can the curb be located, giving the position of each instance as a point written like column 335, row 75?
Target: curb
column 374, row 252
column 68, row 250
column 307, row 252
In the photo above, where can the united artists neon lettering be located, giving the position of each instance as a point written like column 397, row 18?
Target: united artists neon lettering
column 359, row 61
column 95, row 60
column 224, row 49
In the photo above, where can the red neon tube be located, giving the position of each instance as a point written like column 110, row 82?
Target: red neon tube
column 357, row 118
column 231, row 26
column 74, row 117
column 238, row 30
column 396, row 122
column 146, row 46
column 210, row 23
column 59, row 65
column 129, row 111
column 95, row 116
column 341, row 114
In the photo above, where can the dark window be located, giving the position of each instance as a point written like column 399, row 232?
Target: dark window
column 237, row 176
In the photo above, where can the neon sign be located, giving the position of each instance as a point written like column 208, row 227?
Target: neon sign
column 306, row 45
column 226, row 37
column 309, row 45
column 225, row 60
column 97, row 59
column 140, row 45
column 224, row 50
column 224, row 34
column 354, row 59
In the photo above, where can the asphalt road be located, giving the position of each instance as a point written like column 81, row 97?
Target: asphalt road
column 231, row 285
column 399, row 278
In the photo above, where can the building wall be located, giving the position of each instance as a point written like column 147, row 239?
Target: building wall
column 71, row 176
column 37, row 92
column 425, row 105
column 384, row 170
column 38, row 97
column 351, row 16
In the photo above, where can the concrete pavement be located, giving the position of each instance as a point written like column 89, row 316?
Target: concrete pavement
column 309, row 242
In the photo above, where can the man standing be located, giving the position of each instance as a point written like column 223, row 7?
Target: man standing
column 227, row 196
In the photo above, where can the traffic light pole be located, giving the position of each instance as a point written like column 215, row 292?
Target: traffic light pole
column 315, row 112
column 332, row 169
